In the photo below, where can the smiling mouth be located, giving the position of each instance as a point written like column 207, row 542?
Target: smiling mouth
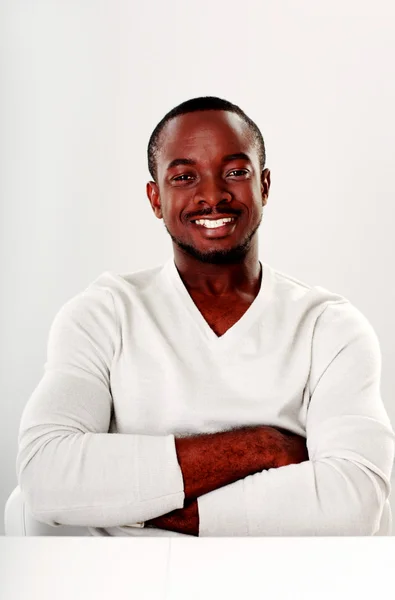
column 214, row 223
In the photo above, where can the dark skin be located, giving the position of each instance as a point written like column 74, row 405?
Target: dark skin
column 208, row 168
column 211, row 461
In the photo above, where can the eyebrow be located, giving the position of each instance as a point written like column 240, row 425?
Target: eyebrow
column 189, row 161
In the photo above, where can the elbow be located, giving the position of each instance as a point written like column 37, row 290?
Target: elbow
column 372, row 512
column 352, row 499
column 35, row 495
column 39, row 480
column 363, row 510
column 363, row 522
column 375, row 513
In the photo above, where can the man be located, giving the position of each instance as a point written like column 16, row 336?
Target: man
column 212, row 395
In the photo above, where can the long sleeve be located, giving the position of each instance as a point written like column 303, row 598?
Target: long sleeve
column 343, row 488
column 71, row 470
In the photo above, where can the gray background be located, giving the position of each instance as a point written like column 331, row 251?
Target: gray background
column 83, row 85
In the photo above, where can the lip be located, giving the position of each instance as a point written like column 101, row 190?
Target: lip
column 216, row 232
column 214, row 218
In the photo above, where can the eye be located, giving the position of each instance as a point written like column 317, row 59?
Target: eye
column 183, row 177
column 238, row 172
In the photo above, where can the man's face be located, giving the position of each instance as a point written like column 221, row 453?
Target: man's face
column 210, row 190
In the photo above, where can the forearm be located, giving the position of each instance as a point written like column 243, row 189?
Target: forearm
column 72, row 471
column 332, row 497
column 211, row 461
column 343, row 488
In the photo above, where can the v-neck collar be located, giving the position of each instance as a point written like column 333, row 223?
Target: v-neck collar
column 241, row 326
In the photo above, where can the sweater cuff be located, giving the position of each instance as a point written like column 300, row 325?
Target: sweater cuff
column 162, row 483
column 223, row 512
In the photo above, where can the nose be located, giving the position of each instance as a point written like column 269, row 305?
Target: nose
column 211, row 192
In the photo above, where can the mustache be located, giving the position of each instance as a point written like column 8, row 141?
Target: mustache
column 205, row 212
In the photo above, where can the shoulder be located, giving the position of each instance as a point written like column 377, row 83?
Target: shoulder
column 336, row 322
column 301, row 304
column 343, row 329
column 86, row 329
column 333, row 309
column 101, row 298
column 344, row 346
column 290, row 289
column 344, row 317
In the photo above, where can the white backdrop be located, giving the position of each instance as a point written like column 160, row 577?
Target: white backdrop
column 83, row 84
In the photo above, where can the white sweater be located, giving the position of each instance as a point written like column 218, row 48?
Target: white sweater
column 132, row 364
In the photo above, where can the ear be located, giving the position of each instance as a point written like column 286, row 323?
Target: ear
column 265, row 185
column 152, row 190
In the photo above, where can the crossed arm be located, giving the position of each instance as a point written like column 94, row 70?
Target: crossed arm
column 211, row 461
column 72, row 471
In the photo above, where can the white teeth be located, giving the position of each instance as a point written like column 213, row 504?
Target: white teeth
column 212, row 224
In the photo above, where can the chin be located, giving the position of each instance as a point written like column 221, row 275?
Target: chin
column 227, row 256
column 220, row 256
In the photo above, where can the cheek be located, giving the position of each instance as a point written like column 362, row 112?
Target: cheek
column 256, row 210
column 177, row 202
column 172, row 208
column 250, row 192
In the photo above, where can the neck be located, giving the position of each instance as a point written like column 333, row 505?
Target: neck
column 243, row 277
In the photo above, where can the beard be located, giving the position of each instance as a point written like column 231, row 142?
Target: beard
column 217, row 257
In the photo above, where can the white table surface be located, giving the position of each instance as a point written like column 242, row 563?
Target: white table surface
column 54, row 568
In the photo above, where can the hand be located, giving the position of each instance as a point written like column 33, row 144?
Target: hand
column 286, row 448
column 296, row 452
column 183, row 520
column 210, row 461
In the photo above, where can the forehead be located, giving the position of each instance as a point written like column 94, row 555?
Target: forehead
column 204, row 134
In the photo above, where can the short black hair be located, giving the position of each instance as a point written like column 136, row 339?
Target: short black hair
column 201, row 104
